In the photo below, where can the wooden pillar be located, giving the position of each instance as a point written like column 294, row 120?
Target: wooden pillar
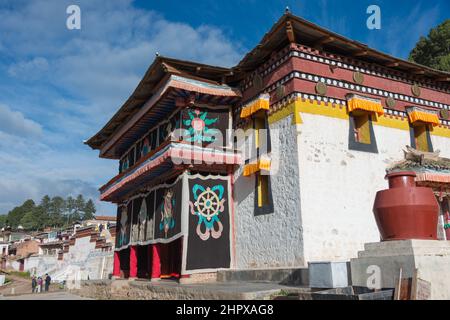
column 133, row 262
column 116, row 267
column 156, row 262
column 149, row 260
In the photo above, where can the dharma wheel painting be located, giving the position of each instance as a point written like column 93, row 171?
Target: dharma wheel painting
column 209, row 223
column 209, row 203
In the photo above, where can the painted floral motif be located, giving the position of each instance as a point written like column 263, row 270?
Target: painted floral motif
column 198, row 129
column 167, row 210
column 209, row 203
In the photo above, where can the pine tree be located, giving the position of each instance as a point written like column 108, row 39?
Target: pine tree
column 434, row 50
column 89, row 210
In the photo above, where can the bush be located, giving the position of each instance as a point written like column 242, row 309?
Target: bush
column 21, row 274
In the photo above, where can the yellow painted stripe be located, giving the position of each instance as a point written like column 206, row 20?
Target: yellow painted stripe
column 297, row 118
column 397, row 123
column 441, row 132
column 284, row 112
column 323, row 109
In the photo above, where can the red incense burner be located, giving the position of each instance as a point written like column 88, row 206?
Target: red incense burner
column 405, row 211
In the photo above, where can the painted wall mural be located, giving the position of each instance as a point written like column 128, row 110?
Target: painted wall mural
column 151, row 217
column 168, row 211
column 154, row 216
column 150, row 224
column 142, row 221
column 209, row 203
column 123, row 225
column 136, row 204
column 167, row 220
column 204, row 126
column 209, row 223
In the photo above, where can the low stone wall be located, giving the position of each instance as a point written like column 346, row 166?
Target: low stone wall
column 146, row 290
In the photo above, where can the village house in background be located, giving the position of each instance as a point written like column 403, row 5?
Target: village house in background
column 337, row 115
column 81, row 252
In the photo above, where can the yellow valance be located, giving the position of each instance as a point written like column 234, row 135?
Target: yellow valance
column 355, row 102
column 261, row 103
column 426, row 116
column 261, row 164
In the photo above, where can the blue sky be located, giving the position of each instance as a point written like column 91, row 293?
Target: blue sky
column 59, row 86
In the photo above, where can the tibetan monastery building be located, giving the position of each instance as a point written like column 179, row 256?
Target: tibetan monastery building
column 272, row 163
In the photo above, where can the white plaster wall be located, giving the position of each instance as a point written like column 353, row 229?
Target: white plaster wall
column 15, row 265
column 82, row 262
column 338, row 185
column 442, row 144
column 91, row 263
column 47, row 264
column 31, row 263
column 275, row 239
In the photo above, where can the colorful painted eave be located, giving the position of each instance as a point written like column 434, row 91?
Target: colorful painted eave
column 173, row 153
column 189, row 84
column 441, row 178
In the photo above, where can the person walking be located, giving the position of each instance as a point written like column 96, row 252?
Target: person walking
column 39, row 283
column 33, row 284
column 47, row 282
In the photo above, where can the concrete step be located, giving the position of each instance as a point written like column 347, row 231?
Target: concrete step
column 285, row 276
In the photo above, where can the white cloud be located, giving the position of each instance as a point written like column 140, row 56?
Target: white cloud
column 30, row 70
column 14, row 123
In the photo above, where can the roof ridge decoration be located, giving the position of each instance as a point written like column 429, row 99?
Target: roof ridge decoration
column 311, row 30
column 429, row 166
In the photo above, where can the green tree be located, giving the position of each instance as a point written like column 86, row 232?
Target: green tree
column 56, row 212
column 69, row 210
column 89, row 210
column 45, row 205
column 16, row 214
column 434, row 50
column 31, row 219
column 80, row 204
column 3, row 219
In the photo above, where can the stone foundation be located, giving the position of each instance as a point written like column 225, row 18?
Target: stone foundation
column 431, row 258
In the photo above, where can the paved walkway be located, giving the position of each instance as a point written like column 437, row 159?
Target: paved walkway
column 45, row 296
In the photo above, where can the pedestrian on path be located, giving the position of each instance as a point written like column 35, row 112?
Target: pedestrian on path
column 33, row 284
column 39, row 282
column 47, row 282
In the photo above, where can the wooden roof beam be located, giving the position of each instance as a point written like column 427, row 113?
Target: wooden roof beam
column 419, row 72
column 290, row 32
column 392, row 64
column 324, row 40
column 443, row 79
column 361, row 53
